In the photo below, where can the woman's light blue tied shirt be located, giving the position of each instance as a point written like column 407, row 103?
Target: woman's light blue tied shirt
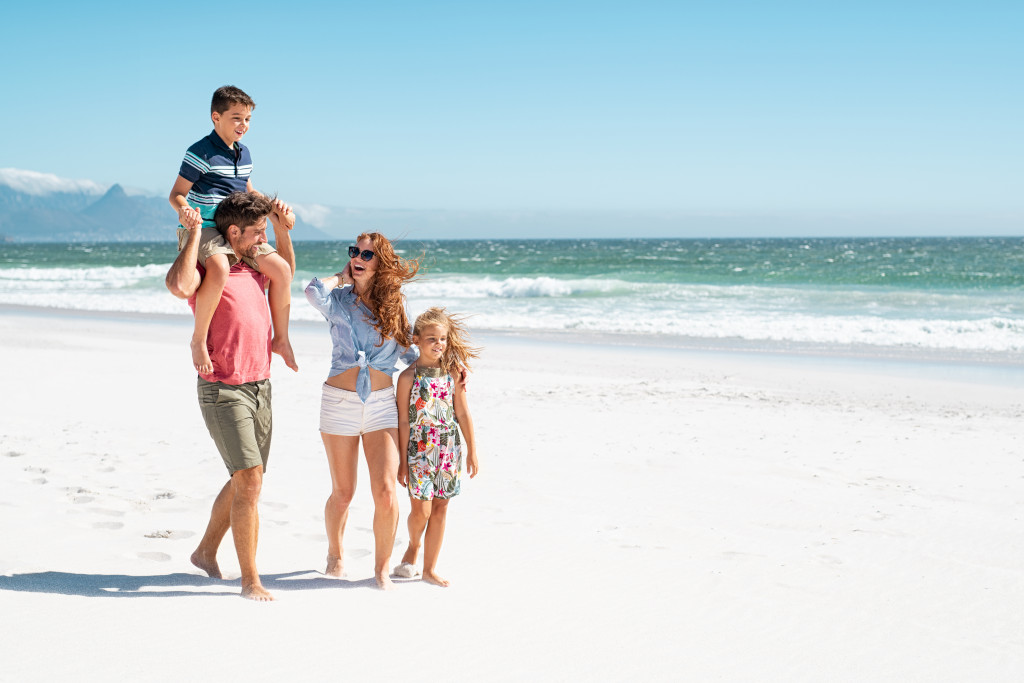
column 357, row 343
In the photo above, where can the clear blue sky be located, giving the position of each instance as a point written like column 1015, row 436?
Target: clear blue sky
column 800, row 109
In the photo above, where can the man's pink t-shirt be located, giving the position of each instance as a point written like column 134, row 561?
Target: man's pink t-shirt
column 240, row 332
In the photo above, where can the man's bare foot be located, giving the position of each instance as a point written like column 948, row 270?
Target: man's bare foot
column 207, row 564
column 431, row 577
column 201, row 357
column 256, row 592
column 384, row 581
column 283, row 348
column 334, row 567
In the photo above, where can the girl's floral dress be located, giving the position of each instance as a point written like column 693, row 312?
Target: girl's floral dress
column 435, row 449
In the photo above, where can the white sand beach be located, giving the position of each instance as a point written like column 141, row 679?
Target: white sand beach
column 642, row 514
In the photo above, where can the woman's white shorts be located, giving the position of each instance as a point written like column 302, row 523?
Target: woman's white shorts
column 344, row 414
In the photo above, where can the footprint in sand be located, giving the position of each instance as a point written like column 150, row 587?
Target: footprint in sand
column 156, row 557
column 171, row 534
column 107, row 525
column 275, row 506
column 13, row 454
column 108, row 513
column 78, row 500
column 40, row 480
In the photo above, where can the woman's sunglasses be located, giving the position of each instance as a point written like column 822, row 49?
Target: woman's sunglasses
column 365, row 254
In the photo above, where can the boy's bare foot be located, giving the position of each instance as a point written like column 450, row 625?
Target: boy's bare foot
column 256, row 592
column 334, row 567
column 201, row 357
column 283, row 348
column 431, row 577
column 207, row 564
column 384, row 581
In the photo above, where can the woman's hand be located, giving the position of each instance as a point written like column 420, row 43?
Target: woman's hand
column 403, row 473
column 345, row 276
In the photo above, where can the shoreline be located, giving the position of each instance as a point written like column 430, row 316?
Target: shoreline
column 1010, row 362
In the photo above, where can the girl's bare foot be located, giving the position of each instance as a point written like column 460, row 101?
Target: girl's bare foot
column 431, row 577
column 384, row 581
column 283, row 348
column 207, row 564
column 201, row 357
column 334, row 567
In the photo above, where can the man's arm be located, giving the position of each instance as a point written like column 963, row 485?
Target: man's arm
column 283, row 220
column 183, row 279
column 187, row 216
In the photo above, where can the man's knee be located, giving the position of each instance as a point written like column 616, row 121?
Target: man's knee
column 246, row 484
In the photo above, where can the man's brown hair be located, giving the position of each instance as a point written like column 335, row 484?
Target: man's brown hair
column 242, row 209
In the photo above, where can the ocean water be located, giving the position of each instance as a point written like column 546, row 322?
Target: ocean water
column 939, row 294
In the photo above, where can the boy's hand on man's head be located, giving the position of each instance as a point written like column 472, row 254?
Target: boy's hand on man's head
column 282, row 215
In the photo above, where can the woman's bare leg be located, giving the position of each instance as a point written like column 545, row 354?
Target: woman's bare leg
column 381, row 449
column 343, row 459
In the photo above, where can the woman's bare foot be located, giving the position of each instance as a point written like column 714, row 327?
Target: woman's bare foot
column 283, row 348
column 384, row 581
column 207, row 564
column 201, row 357
column 431, row 577
column 334, row 567
column 256, row 592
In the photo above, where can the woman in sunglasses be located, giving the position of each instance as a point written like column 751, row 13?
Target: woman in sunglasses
column 370, row 332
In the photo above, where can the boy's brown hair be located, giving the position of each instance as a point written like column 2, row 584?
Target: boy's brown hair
column 226, row 96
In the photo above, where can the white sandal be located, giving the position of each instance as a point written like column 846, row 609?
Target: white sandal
column 406, row 571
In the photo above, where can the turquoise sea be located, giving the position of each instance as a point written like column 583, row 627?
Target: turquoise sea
column 949, row 295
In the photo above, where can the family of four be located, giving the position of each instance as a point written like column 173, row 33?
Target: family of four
column 239, row 288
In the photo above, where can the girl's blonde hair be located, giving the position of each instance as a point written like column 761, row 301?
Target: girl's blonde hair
column 458, row 351
column 385, row 298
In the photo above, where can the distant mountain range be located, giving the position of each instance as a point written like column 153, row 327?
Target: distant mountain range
column 36, row 207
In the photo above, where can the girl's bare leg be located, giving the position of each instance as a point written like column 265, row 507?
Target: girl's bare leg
column 433, row 540
column 419, row 516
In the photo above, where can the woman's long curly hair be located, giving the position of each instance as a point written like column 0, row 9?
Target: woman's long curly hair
column 458, row 351
column 385, row 298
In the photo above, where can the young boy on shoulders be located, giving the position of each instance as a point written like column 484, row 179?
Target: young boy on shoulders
column 213, row 168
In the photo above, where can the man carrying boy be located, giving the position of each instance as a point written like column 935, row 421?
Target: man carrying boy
column 235, row 396
column 213, row 168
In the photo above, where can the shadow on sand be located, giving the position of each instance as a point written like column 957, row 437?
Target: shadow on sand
column 165, row 585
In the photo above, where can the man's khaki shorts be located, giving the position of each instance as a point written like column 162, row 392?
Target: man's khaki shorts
column 239, row 420
column 212, row 242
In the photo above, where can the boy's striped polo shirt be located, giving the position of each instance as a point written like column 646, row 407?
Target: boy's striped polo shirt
column 215, row 171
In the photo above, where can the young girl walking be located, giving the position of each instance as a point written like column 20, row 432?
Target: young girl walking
column 432, row 408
